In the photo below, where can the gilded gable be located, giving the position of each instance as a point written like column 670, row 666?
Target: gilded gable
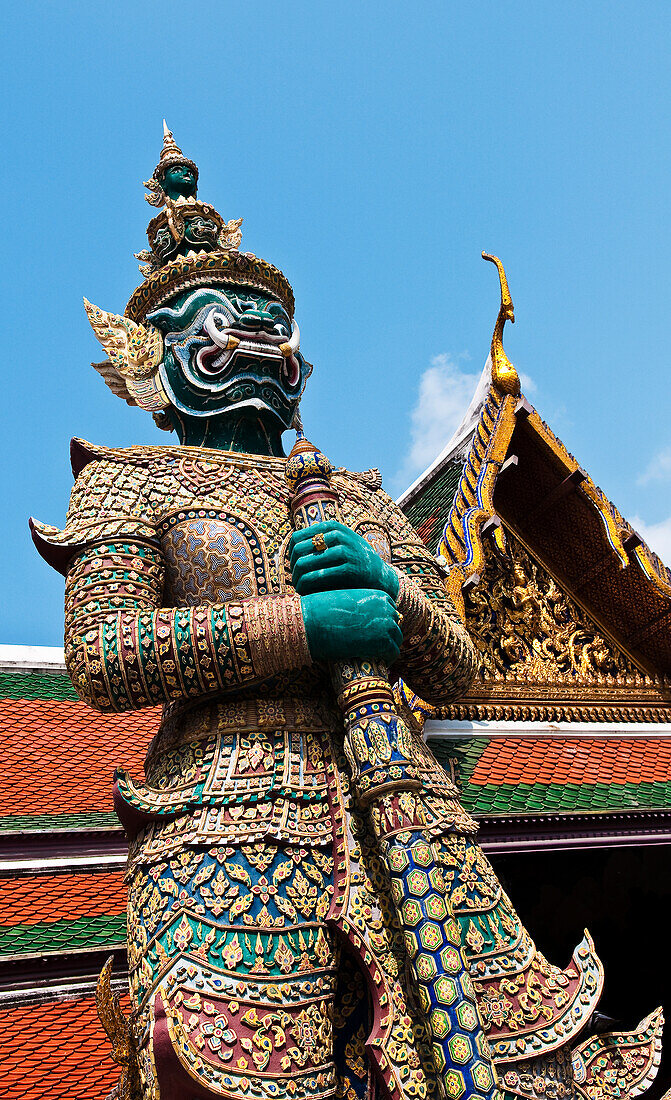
column 542, row 655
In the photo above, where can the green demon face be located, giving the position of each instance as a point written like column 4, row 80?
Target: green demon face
column 231, row 349
column 178, row 180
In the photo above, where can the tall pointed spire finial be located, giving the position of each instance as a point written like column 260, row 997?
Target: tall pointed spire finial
column 171, row 154
column 170, row 146
column 504, row 375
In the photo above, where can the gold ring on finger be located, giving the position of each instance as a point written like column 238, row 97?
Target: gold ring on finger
column 319, row 543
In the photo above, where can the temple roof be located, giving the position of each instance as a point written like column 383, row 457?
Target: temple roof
column 40, row 1065
column 525, row 774
column 510, row 467
column 46, row 788
column 61, row 912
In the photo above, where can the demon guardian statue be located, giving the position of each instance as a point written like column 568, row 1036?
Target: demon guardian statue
column 308, row 914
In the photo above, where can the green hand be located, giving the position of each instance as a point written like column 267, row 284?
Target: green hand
column 348, row 562
column 342, row 625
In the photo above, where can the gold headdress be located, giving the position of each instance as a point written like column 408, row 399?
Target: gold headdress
column 171, row 154
column 190, row 246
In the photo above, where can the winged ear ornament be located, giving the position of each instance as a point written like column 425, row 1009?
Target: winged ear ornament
column 134, row 354
column 157, row 196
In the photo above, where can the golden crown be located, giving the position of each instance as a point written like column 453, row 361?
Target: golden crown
column 191, row 245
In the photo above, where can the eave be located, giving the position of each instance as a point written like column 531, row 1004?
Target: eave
column 508, row 833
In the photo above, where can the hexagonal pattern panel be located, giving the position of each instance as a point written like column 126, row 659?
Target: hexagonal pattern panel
column 412, row 911
column 451, row 960
column 439, row 1057
column 466, row 1015
column 418, row 881
column 437, row 880
column 455, row 1086
column 398, row 859
column 453, row 931
column 460, row 1049
column 431, row 936
column 426, row 967
column 435, row 907
column 440, row 1023
column 422, row 854
column 483, row 1076
column 446, row 990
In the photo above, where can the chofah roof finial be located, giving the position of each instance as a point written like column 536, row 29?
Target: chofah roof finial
column 504, row 375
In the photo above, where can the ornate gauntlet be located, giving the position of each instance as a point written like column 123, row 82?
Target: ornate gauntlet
column 123, row 655
column 437, row 657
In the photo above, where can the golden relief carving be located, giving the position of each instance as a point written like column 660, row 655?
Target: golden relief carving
column 120, row 1034
column 526, row 628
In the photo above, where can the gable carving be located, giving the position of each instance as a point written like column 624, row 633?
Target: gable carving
column 528, row 630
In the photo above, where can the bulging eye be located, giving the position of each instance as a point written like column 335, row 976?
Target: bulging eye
column 215, row 325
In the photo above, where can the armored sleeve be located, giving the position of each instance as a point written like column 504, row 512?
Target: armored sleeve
column 123, row 650
column 438, row 659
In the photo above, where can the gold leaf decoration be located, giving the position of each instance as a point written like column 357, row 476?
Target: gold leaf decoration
column 119, row 1032
column 527, row 628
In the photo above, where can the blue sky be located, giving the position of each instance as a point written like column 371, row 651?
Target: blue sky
column 374, row 150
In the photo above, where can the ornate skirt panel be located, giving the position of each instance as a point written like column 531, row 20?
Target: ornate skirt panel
column 250, row 874
column 239, row 905
column 529, row 1007
column 232, row 965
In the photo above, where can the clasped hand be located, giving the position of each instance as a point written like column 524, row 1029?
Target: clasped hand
column 348, row 595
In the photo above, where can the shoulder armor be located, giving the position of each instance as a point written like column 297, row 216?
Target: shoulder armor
column 81, row 453
column 107, row 503
column 372, row 478
column 59, row 547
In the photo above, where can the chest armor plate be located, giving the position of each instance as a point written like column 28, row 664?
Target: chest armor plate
column 211, row 557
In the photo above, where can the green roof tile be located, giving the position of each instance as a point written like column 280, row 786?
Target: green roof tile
column 429, row 510
column 63, row 935
column 505, row 798
column 47, row 823
column 34, row 685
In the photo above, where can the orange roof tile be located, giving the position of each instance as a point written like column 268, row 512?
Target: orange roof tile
column 570, row 761
column 55, row 1051
column 59, row 756
column 33, row 899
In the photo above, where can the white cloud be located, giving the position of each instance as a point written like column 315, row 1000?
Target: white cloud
column 657, row 536
column 527, row 383
column 658, row 469
column 445, row 391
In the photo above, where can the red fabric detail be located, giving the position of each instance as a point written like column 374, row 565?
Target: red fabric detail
column 56, row 1051
column 34, row 899
column 60, row 756
column 573, row 760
